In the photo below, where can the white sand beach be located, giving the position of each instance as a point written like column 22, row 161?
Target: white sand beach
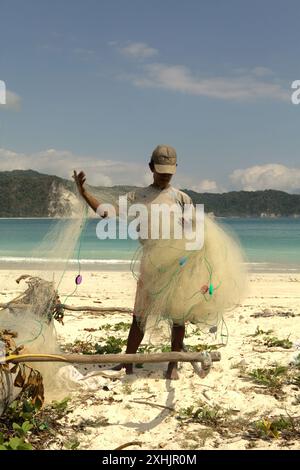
column 144, row 407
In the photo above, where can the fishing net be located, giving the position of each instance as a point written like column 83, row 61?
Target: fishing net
column 32, row 314
column 175, row 285
column 197, row 286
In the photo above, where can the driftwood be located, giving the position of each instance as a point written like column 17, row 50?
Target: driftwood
column 274, row 349
column 41, row 298
column 128, row 444
column 142, row 402
column 95, row 309
column 28, row 299
column 85, row 308
column 117, row 358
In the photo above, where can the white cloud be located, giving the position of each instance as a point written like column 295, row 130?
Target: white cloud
column 13, row 101
column 261, row 71
column 138, row 50
column 242, row 85
column 257, row 71
column 99, row 171
column 108, row 172
column 270, row 176
column 185, row 181
column 179, row 78
column 206, row 186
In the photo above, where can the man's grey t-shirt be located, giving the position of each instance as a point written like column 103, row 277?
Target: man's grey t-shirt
column 170, row 197
column 154, row 195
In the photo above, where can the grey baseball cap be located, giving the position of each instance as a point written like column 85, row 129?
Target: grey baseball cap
column 164, row 158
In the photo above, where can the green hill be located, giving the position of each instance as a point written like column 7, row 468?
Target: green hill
column 249, row 203
column 32, row 194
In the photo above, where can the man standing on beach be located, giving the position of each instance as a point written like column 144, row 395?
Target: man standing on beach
column 163, row 165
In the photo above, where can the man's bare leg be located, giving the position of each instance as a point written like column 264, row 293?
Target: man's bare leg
column 135, row 338
column 177, row 345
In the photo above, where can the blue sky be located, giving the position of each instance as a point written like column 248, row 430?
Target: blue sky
column 98, row 84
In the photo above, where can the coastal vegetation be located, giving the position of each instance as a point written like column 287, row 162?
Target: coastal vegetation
column 32, row 194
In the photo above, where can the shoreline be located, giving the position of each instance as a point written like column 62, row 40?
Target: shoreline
column 102, row 265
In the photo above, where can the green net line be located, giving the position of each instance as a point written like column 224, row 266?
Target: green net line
column 215, row 326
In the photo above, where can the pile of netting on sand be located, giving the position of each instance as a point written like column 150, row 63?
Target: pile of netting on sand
column 27, row 322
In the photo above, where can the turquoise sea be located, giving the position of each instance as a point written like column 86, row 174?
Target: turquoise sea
column 269, row 244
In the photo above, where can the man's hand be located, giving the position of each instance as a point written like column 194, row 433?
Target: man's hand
column 89, row 198
column 79, row 180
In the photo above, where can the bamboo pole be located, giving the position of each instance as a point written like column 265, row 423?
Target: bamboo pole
column 119, row 358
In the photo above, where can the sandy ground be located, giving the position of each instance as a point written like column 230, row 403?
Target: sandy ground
column 145, row 407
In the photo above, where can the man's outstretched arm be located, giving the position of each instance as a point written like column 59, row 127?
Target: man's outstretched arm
column 80, row 179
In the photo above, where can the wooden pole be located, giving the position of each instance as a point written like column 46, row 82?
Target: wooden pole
column 120, row 358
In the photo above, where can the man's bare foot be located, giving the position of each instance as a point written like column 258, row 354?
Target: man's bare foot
column 128, row 368
column 172, row 372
